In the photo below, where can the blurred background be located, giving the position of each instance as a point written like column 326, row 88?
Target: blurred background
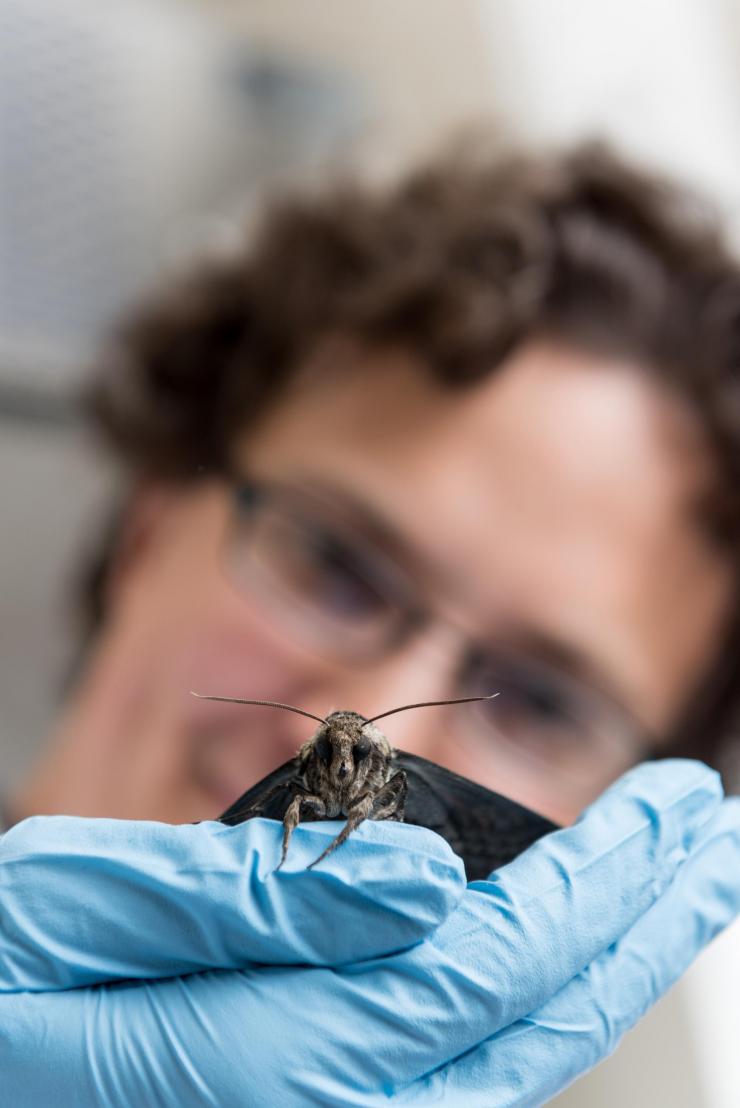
column 136, row 135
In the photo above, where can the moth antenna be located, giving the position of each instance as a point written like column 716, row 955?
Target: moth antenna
column 430, row 704
column 263, row 703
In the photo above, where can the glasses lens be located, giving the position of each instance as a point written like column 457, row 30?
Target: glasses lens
column 317, row 580
column 549, row 722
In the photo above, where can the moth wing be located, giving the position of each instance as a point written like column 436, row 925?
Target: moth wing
column 486, row 829
column 272, row 794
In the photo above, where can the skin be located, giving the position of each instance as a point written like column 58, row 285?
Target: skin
column 552, row 498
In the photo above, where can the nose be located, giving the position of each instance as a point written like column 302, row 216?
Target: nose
column 343, row 771
column 424, row 669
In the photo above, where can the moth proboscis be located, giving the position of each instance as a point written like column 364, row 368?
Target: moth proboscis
column 347, row 768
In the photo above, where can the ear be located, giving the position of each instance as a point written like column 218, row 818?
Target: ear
column 142, row 518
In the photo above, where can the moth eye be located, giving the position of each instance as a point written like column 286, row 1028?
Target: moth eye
column 361, row 748
column 323, row 750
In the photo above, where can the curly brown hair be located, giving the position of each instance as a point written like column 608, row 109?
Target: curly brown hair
column 460, row 262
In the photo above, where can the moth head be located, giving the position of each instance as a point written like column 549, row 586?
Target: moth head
column 344, row 744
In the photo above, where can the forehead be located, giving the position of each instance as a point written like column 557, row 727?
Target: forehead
column 553, row 495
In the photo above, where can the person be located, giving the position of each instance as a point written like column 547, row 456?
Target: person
column 474, row 432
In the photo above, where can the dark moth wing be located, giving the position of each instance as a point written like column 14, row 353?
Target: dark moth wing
column 484, row 828
column 271, row 794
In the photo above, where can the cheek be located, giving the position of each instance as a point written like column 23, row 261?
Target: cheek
column 233, row 653
column 195, row 633
column 498, row 773
column 191, row 629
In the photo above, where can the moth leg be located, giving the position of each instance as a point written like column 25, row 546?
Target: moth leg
column 303, row 801
column 389, row 801
column 359, row 811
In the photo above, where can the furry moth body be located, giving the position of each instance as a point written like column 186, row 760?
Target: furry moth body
column 346, row 769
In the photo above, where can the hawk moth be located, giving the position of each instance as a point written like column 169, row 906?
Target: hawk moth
column 348, row 768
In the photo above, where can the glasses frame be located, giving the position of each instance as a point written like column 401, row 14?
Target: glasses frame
column 248, row 494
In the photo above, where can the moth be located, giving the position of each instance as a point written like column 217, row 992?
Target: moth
column 349, row 769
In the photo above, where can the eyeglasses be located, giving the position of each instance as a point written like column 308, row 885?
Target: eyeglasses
column 339, row 593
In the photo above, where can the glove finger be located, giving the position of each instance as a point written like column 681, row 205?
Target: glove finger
column 88, row 900
column 533, row 1059
column 592, row 880
column 258, row 1037
column 496, row 959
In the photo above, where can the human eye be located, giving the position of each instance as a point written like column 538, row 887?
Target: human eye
column 336, row 574
column 314, row 565
column 536, row 710
column 540, row 699
column 527, row 688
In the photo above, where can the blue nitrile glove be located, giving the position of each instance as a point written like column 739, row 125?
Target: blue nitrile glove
column 529, row 978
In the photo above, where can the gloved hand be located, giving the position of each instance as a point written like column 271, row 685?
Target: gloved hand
column 374, row 978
